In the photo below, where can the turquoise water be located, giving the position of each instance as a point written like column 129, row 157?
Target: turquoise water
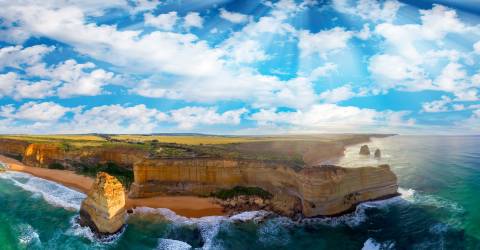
column 439, row 209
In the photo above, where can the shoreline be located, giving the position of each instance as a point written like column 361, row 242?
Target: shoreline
column 188, row 206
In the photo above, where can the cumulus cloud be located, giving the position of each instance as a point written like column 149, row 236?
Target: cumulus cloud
column 49, row 117
column 173, row 53
column 193, row 19
column 75, row 78
column 190, row 117
column 18, row 56
column 323, row 42
column 331, row 117
column 369, row 9
column 34, row 111
column 437, row 106
column 338, row 94
column 233, row 17
column 12, row 85
column 163, row 21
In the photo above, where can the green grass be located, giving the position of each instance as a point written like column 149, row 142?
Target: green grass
column 240, row 190
column 124, row 175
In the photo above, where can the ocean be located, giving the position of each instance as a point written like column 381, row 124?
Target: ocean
column 439, row 208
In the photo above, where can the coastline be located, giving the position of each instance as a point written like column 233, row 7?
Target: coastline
column 188, row 206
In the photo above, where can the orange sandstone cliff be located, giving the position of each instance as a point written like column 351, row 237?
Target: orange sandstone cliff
column 311, row 191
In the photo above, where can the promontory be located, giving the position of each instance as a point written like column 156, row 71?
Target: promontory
column 290, row 175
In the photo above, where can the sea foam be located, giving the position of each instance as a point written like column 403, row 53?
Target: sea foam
column 53, row 193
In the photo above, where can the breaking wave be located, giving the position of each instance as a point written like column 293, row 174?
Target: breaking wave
column 52, row 192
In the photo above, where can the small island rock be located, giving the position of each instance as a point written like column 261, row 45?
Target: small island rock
column 364, row 150
column 378, row 154
column 104, row 208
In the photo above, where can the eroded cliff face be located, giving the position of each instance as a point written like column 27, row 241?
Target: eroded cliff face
column 13, row 148
column 104, row 208
column 45, row 154
column 318, row 191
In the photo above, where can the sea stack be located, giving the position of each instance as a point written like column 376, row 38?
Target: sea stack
column 377, row 154
column 104, row 208
column 364, row 150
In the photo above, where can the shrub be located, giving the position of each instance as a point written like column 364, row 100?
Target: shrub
column 124, row 175
column 239, row 190
column 56, row 165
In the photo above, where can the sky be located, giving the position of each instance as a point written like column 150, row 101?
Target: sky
column 240, row 67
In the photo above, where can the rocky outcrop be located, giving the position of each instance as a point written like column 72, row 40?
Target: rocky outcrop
column 104, row 208
column 364, row 150
column 377, row 154
column 311, row 191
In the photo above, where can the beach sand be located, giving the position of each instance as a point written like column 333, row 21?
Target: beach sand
column 188, row 206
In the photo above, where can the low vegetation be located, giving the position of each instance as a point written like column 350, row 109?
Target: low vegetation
column 124, row 175
column 225, row 194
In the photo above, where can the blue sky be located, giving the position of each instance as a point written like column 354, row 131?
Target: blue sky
column 240, row 67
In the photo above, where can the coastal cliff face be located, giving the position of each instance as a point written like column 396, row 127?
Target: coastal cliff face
column 104, row 208
column 44, row 154
column 312, row 191
column 13, row 148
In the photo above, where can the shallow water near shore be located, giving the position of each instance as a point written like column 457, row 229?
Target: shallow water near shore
column 439, row 209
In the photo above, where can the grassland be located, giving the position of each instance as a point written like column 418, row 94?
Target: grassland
column 295, row 149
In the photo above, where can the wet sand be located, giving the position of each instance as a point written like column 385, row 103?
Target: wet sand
column 188, row 206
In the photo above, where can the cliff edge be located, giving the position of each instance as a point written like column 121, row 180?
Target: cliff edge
column 311, row 191
column 104, row 208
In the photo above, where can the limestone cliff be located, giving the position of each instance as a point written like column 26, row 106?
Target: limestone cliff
column 318, row 191
column 13, row 148
column 45, row 154
column 364, row 150
column 104, row 208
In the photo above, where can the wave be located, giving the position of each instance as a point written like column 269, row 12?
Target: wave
column 85, row 232
column 27, row 235
column 52, row 192
column 371, row 244
column 169, row 244
column 208, row 226
column 422, row 199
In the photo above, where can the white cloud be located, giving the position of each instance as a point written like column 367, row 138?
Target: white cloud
column 331, row 118
column 163, row 21
column 193, row 19
column 190, row 117
column 74, row 77
column 338, row 94
column 248, row 51
column 369, row 9
column 156, row 52
column 49, row 117
column 323, row 42
column 11, row 85
column 476, row 47
column 437, row 106
column 17, row 56
column 233, row 17
column 33, row 111
column 322, row 71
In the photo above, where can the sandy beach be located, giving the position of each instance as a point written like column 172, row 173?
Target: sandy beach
column 188, row 206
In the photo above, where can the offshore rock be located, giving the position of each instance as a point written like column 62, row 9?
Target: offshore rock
column 104, row 208
column 378, row 154
column 364, row 150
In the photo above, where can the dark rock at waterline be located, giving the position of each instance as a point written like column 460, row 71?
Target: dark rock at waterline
column 378, row 154
column 364, row 150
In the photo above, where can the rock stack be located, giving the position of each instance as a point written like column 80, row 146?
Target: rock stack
column 377, row 154
column 364, row 150
column 104, row 208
